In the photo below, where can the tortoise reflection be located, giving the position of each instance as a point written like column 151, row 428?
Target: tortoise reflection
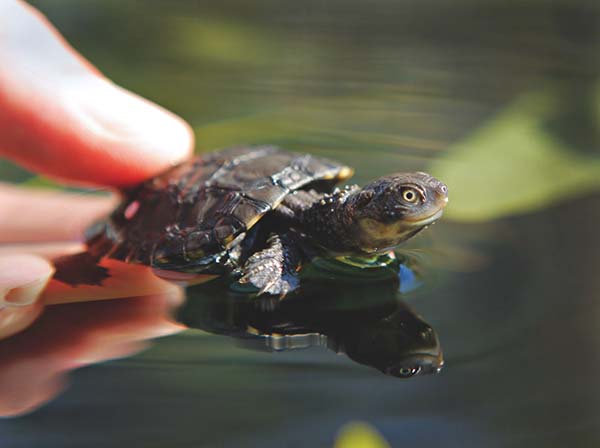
column 365, row 320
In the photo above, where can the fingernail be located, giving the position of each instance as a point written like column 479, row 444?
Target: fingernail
column 116, row 114
column 26, row 294
column 22, row 278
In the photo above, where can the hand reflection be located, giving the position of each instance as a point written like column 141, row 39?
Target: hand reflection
column 36, row 361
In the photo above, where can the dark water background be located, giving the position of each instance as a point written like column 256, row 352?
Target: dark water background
column 499, row 99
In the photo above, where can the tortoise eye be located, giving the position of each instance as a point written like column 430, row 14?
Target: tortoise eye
column 408, row 371
column 404, row 372
column 410, row 195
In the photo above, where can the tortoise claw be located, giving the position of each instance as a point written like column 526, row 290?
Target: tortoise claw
column 271, row 270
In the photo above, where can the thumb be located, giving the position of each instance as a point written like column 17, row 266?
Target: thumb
column 22, row 279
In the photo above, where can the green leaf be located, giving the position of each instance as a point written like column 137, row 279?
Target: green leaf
column 513, row 164
column 360, row 435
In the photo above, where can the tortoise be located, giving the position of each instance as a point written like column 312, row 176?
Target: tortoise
column 261, row 212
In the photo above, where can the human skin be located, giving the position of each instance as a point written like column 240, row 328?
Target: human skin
column 60, row 117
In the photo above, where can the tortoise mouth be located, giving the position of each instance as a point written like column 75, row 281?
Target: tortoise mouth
column 428, row 219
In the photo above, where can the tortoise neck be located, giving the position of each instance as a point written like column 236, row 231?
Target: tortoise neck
column 329, row 221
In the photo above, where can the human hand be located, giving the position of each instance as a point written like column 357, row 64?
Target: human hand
column 60, row 117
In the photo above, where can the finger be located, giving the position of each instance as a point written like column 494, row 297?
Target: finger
column 124, row 280
column 59, row 116
column 13, row 320
column 45, row 250
column 22, row 279
column 29, row 215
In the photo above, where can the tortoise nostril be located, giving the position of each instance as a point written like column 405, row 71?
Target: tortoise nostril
column 442, row 193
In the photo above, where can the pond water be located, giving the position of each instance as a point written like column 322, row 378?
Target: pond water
column 501, row 101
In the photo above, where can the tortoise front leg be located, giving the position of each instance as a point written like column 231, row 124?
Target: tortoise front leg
column 274, row 269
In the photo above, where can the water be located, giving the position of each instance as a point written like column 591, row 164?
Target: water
column 499, row 101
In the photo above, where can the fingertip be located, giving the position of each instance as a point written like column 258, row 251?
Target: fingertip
column 137, row 137
column 62, row 118
column 13, row 320
column 22, row 279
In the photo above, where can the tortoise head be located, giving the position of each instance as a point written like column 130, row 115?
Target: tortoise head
column 393, row 208
column 400, row 344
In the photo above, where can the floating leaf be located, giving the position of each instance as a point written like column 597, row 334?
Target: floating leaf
column 360, row 435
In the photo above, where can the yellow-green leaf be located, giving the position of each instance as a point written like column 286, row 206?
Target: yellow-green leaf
column 360, row 435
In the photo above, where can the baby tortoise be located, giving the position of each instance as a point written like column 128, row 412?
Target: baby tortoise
column 262, row 212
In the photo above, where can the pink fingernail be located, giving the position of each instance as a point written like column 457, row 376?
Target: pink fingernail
column 22, row 278
column 26, row 294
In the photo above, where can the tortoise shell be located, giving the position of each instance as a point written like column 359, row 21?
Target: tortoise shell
column 189, row 217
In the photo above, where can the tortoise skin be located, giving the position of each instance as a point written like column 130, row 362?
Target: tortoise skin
column 190, row 217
